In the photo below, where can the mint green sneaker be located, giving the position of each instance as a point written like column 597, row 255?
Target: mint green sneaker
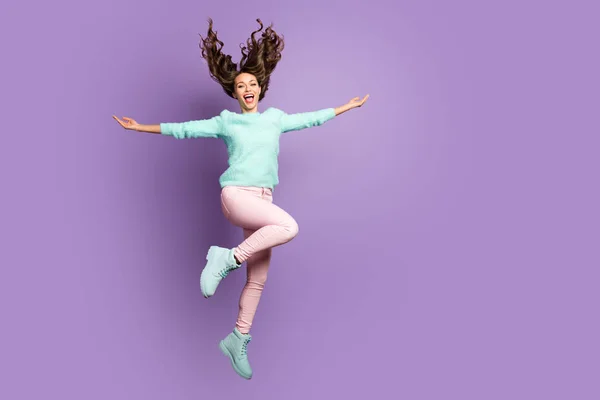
column 234, row 346
column 220, row 262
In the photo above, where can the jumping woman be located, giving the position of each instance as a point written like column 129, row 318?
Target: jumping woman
column 252, row 140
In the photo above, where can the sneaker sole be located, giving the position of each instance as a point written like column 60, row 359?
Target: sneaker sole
column 226, row 352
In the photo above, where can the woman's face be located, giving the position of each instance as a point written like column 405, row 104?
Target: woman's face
column 246, row 91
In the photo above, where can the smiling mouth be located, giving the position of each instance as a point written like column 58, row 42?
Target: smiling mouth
column 249, row 98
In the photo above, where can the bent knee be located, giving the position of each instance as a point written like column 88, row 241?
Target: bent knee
column 291, row 229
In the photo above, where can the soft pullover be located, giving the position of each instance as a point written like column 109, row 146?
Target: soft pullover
column 252, row 141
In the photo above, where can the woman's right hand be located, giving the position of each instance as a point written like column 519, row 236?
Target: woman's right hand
column 127, row 123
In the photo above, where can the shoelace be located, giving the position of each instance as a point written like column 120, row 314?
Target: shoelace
column 225, row 271
column 245, row 345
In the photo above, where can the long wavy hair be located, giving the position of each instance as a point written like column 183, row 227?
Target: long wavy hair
column 259, row 58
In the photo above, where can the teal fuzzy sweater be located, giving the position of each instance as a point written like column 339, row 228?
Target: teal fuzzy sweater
column 252, row 141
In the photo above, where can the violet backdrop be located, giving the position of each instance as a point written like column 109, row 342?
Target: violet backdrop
column 448, row 244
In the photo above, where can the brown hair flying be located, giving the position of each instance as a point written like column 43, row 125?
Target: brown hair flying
column 259, row 58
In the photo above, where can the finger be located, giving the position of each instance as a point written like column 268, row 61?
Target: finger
column 123, row 124
column 127, row 119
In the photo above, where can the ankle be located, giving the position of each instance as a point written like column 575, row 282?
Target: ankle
column 236, row 257
column 243, row 331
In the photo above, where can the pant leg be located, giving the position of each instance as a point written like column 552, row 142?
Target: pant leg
column 257, row 267
column 252, row 208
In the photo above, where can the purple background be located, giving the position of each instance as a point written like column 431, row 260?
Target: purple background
column 448, row 243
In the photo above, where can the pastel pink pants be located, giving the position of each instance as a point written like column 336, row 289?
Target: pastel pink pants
column 265, row 226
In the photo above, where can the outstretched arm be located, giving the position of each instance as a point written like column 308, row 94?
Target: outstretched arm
column 181, row 130
column 295, row 122
column 132, row 125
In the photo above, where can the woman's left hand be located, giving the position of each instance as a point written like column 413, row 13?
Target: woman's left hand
column 357, row 102
column 354, row 103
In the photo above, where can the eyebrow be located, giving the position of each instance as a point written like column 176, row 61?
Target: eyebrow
column 253, row 80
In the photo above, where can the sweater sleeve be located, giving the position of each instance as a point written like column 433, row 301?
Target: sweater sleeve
column 204, row 128
column 296, row 122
